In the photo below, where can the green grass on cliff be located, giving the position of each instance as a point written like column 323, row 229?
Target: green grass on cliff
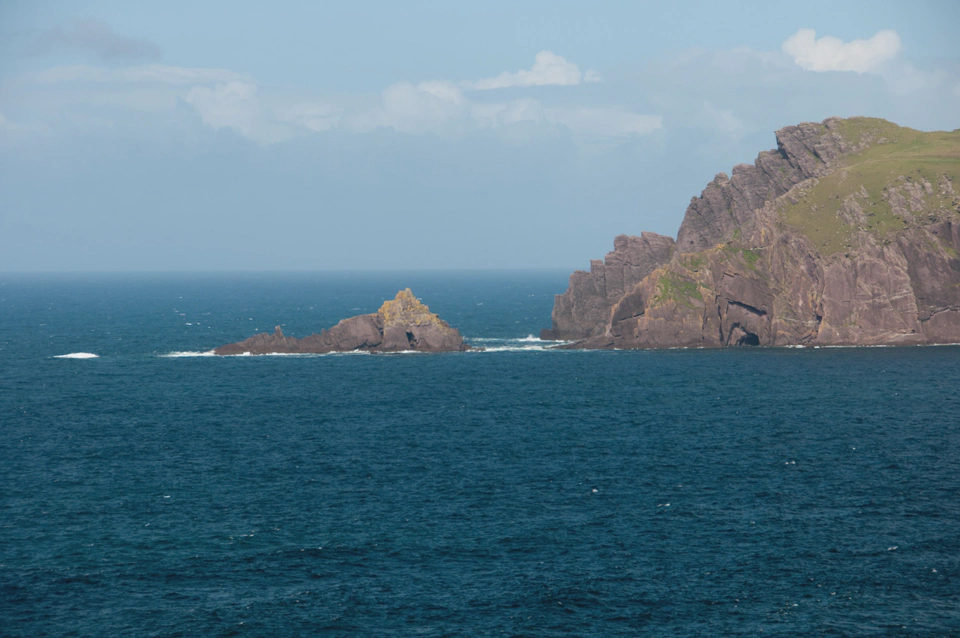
column 677, row 288
column 893, row 151
column 749, row 257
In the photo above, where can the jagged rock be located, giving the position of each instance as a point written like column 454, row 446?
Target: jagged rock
column 726, row 206
column 817, row 243
column 403, row 323
column 584, row 310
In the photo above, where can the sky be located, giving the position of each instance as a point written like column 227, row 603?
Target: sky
column 232, row 136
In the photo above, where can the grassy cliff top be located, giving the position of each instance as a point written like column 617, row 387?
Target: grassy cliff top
column 892, row 164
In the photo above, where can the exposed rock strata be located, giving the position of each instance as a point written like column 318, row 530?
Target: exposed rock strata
column 401, row 324
column 584, row 310
column 835, row 238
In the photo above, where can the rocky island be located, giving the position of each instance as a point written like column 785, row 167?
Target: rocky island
column 401, row 324
column 848, row 233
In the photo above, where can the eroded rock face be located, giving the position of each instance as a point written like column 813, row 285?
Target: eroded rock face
column 726, row 206
column 584, row 310
column 809, row 246
column 401, row 324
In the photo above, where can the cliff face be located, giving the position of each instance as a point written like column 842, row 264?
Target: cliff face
column 401, row 324
column 584, row 310
column 848, row 233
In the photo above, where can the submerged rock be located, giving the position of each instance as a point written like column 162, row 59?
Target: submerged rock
column 401, row 324
column 847, row 234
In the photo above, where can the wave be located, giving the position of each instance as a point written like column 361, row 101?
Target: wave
column 303, row 354
column 177, row 355
column 527, row 339
column 511, row 349
column 211, row 353
column 78, row 355
column 529, row 343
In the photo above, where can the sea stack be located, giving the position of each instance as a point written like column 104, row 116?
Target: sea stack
column 848, row 233
column 401, row 324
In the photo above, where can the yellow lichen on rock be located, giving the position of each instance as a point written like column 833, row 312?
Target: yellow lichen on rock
column 407, row 309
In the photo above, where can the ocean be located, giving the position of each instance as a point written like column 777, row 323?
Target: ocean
column 157, row 491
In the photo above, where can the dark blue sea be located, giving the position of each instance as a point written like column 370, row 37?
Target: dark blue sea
column 154, row 491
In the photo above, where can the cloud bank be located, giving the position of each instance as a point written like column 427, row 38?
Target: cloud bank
column 224, row 99
column 666, row 93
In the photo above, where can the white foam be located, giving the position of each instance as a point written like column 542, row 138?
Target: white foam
column 303, row 354
column 510, row 349
column 527, row 339
column 175, row 355
column 78, row 355
column 529, row 343
column 399, row 352
column 211, row 353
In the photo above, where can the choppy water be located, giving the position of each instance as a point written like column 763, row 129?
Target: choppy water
column 515, row 491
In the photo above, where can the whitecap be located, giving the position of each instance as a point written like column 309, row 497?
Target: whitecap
column 78, row 355
column 530, row 343
column 511, row 349
column 211, row 353
column 400, row 352
column 175, row 355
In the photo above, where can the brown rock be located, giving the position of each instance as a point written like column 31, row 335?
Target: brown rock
column 584, row 310
column 401, row 324
column 805, row 247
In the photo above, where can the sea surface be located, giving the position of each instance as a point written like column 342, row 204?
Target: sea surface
column 156, row 491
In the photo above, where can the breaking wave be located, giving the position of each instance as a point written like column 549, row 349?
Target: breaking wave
column 529, row 343
column 177, row 355
column 78, row 355
column 211, row 353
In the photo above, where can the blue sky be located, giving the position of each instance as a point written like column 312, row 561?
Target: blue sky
column 225, row 136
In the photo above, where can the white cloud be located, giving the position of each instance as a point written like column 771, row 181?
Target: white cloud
column 833, row 54
column 435, row 107
column 83, row 97
column 549, row 69
column 445, row 91
column 225, row 99
column 591, row 77
column 232, row 105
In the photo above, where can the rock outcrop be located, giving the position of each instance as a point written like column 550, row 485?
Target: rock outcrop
column 847, row 234
column 401, row 324
column 584, row 310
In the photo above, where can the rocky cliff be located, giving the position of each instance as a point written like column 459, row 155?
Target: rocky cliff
column 848, row 233
column 401, row 324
